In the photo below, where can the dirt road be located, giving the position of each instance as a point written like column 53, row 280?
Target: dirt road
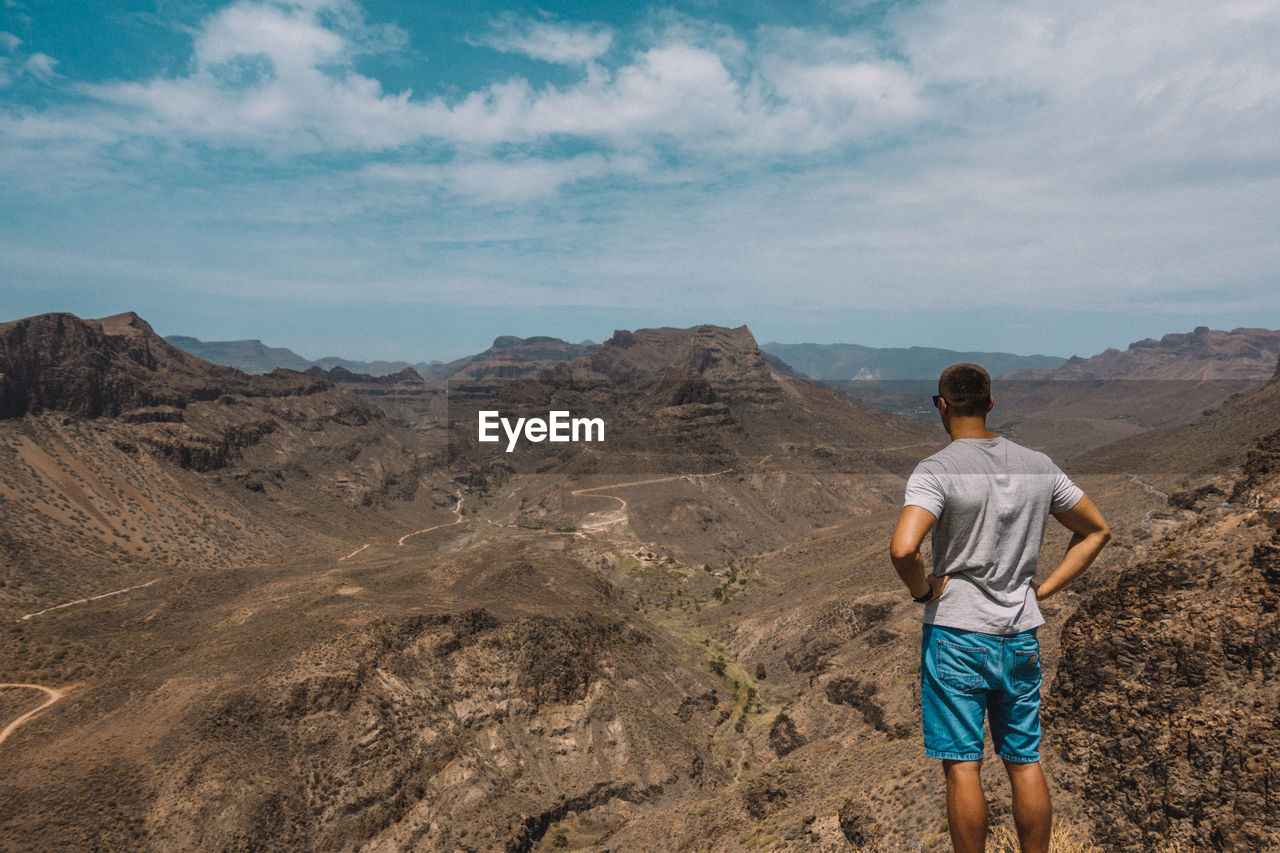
column 619, row 515
column 54, row 695
column 85, row 601
column 457, row 510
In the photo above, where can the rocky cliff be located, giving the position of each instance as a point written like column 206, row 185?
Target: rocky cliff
column 1167, row 693
column 105, row 367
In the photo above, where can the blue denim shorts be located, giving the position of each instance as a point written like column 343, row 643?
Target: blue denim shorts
column 964, row 676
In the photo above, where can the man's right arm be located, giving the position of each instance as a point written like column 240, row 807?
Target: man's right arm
column 1089, row 534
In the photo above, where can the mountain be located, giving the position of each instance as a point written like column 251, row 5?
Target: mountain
column 131, row 455
column 838, row 362
column 405, row 396
column 684, row 408
column 1088, row 403
column 1214, row 444
column 1095, row 401
column 508, row 358
column 1203, row 354
column 280, row 617
column 104, row 367
column 251, row 356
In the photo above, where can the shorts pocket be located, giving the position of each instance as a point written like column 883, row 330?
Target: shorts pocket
column 961, row 667
column 1025, row 676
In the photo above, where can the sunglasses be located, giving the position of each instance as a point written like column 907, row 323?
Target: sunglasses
column 937, row 401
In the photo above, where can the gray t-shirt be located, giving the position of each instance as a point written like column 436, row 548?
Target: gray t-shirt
column 992, row 498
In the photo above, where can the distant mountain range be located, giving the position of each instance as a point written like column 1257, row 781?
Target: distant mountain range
column 253, row 356
column 1197, row 355
column 509, row 357
column 838, row 362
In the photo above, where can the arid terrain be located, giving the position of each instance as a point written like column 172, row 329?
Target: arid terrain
column 312, row 612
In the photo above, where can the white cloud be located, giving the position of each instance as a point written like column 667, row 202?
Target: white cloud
column 41, row 65
column 491, row 180
column 279, row 76
column 550, row 42
column 965, row 154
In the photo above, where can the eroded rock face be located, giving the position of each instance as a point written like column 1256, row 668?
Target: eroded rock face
column 1167, row 692
column 102, row 367
column 474, row 732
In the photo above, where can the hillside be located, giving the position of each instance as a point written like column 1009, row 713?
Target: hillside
column 129, row 457
column 1090, row 402
column 1214, row 444
column 1172, row 665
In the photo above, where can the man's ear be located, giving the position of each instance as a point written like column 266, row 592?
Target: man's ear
column 991, row 401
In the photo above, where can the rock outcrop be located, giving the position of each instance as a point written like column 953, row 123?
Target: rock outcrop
column 106, row 367
column 1167, row 692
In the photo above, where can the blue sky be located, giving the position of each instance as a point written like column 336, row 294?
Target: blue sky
column 409, row 180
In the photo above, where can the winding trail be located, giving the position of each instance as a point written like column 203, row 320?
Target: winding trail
column 54, row 695
column 82, row 601
column 1133, row 478
column 619, row 516
column 457, row 510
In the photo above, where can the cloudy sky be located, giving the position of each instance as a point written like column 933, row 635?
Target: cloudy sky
column 410, row 178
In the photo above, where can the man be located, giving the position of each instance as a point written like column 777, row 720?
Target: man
column 986, row 501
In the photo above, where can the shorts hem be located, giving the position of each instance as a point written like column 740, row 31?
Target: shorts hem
column 1019, row 759
column 954, row 756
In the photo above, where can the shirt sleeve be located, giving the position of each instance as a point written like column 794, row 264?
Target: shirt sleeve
column 1066, row 494
column 925, row 491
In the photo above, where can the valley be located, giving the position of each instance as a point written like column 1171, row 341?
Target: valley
column 288, row 618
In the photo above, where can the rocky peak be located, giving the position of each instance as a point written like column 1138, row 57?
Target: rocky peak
column 728, row 359
column 110, row 365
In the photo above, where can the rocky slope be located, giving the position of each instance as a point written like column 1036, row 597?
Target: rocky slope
column 1214, row 444
column 124, row 457
column 695, row 400
column 1173, row 666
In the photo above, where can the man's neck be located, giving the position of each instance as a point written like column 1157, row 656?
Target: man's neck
column 968, row 427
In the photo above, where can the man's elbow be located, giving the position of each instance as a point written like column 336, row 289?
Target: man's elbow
column 902, row 554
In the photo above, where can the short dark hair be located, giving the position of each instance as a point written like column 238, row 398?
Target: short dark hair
column 966, row 388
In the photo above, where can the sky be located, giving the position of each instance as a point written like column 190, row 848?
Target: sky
column 408, row 180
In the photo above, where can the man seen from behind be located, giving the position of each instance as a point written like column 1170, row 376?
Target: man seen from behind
column 986, row 500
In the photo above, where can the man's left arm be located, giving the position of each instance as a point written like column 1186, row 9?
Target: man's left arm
column 913, row 525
